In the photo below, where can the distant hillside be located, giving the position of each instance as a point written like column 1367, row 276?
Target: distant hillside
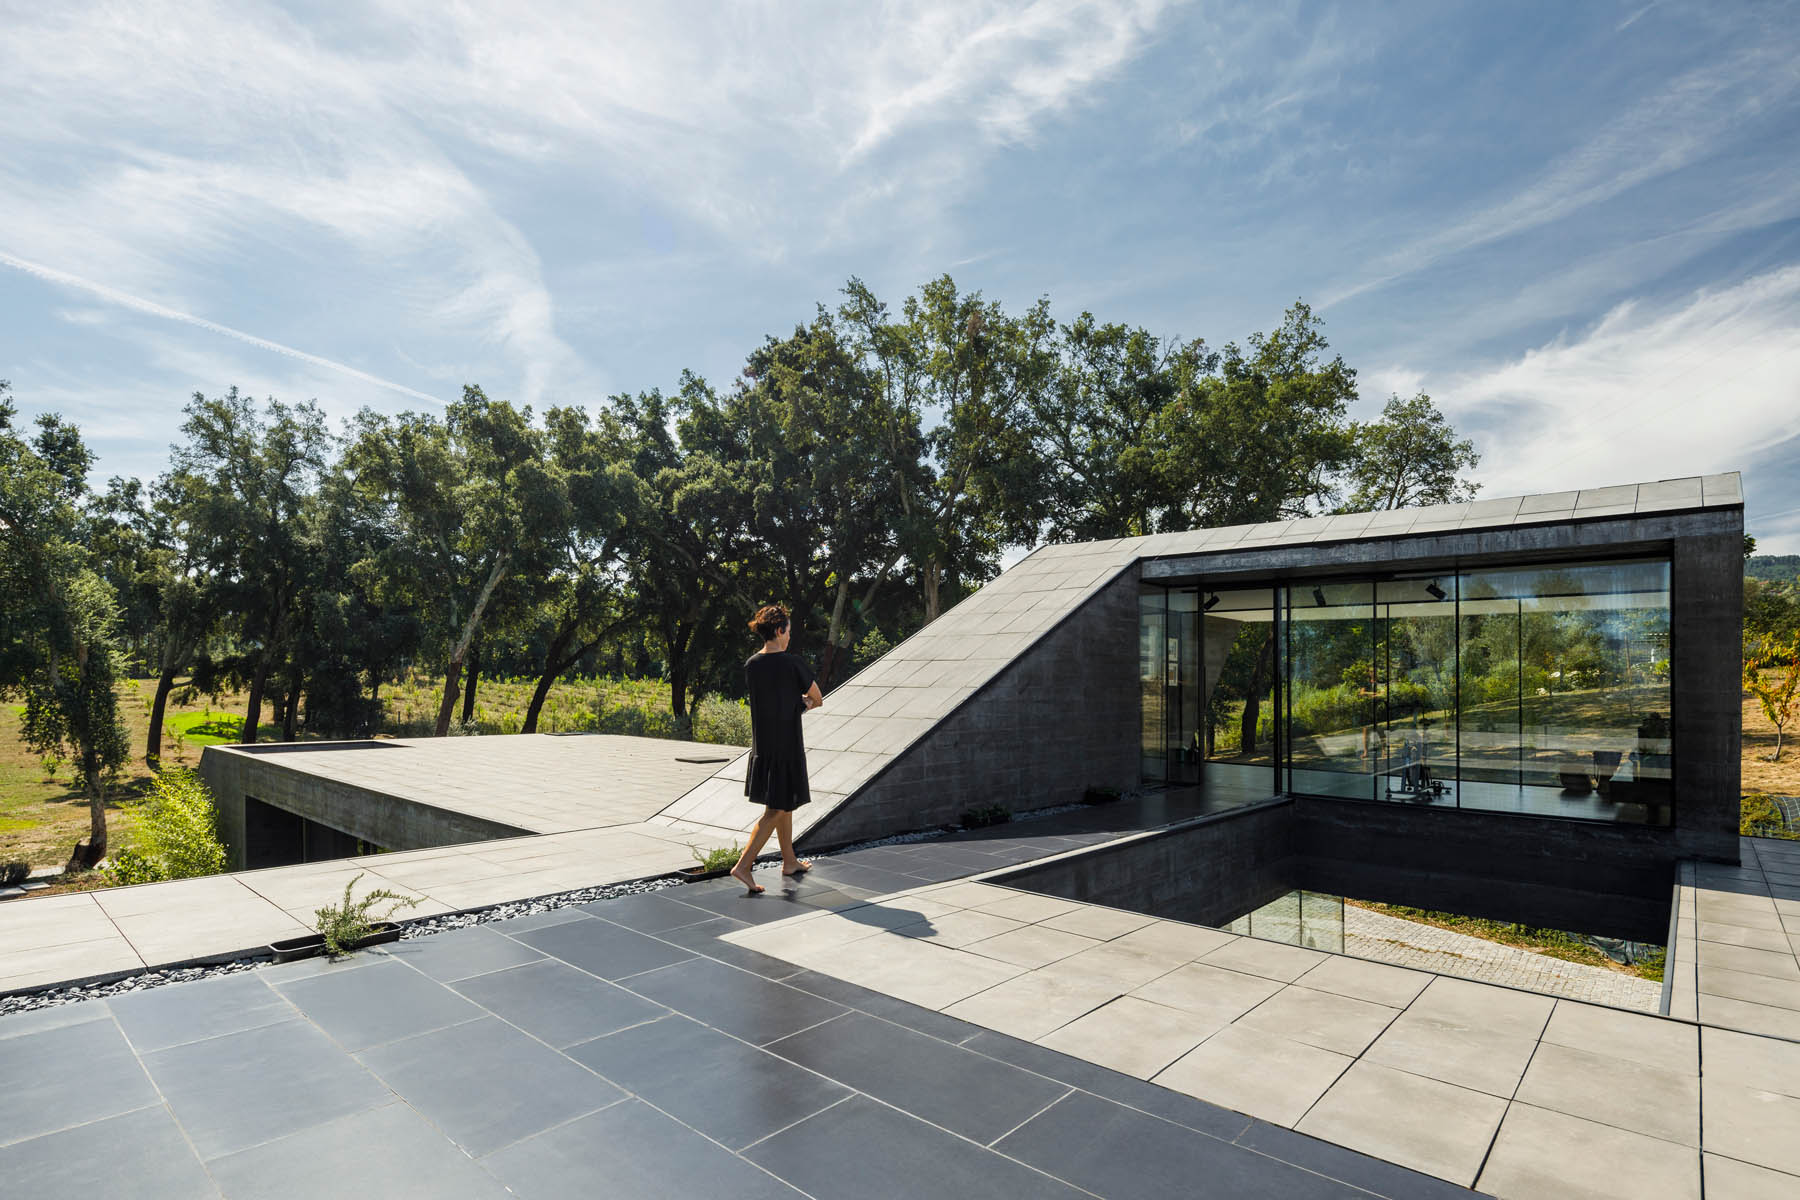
column 1776, row 568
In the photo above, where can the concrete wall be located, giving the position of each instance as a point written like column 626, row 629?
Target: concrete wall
column 1209, row 872
column 391, row 822
column 1059, row 719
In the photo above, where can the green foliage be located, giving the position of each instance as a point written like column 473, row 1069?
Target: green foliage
column 989, row 814
column 1772, row 675
column 719, row 858
column 1410, row 457
column 342, row 925
column 177, row 833
column 1760, row 816
column 721, row 721
column 1771, row 568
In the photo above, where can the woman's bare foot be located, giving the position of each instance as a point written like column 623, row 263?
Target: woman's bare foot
column 801, row 866
column 743, row 876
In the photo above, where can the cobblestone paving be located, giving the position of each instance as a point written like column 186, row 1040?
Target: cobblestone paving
column 1376, row 935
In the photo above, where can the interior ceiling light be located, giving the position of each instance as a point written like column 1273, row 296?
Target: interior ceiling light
column 1436, row 592
column 1319, row 596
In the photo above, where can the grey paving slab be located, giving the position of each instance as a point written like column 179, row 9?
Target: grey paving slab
column 1727, row 1179
column 1741, row 1123
column 1752, row 1062
column 1751, row 988
column 1395, row 987
column 1115, row 1151
column 461, row 953
column 1465, row 1055
column 486, row 1084
column 1424, row 1124
column 1651, row 1041
column 55, row 1017
column 602, row 948
column 889, row 1008
column 558, row 1004
column 1271, row 960
column 1614, row 1091
column 1256, row 1073
column 738, row 1002
column 1325, row 1019
column 234, row 1091
column 387, row 1152
column 1130, row 1035
column 729, row 1090
column 1213, row 993
column 862, row 1150
column 157, row 1018
column 634, row 1151
column 68, row 1075
column 1373, row 1175
column 962, row 1091
column 380, row 1003
column 772, row 905
column 139, row 1154
column 1543, row 1153
column 652, row 913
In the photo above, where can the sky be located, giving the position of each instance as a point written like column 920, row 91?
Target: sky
column 1576, row 226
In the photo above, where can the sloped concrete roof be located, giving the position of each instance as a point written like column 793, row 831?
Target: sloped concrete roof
column 873, row 717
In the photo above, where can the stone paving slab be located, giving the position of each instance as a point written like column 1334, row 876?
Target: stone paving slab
column 459, row 1066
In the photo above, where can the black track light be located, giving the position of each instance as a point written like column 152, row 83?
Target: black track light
column 1211, row 600
column 1319, row 597
column 1435, row 592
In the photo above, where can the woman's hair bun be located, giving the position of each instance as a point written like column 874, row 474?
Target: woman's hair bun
column 769, row 620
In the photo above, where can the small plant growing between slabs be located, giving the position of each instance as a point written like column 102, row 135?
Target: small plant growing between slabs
column 720, row 858
column 343, row 925
column 991, row 814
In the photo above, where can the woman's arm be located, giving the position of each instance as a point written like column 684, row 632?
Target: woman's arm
column 813, row 697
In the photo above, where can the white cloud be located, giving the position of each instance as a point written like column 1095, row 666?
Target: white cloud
column 1711, row 384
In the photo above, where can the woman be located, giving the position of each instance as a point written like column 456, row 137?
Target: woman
column 781, row 687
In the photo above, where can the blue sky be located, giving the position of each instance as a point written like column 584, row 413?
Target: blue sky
column 1576, row 225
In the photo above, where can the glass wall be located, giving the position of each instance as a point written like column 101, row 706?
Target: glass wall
column 1540, row 689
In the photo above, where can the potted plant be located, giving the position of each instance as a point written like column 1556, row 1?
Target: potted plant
column 341, row 928
column 712, row 863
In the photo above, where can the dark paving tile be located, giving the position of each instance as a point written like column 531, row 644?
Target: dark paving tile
column 873, row 879
column 67, row 1075
column 772, row 905
column 1123, row 1154
column 650, row 913
column 558, row 1004
column 965, row 1093
column 862, row 1150
column 818, row 894
column 1198, row 1115
column 935, row 871
column 158, row 1018
column 604, row 949
column 461, row 953
column 388, row 1152
column 38, row 1020
column 704, row 939
column 889, row 1008
column 279, row 975
column 1359, row 1170
column 138, row 1154
column 486, row 1084
column 543, row 920
column 234, row 1091
column 742, row 1004
column 377, row 1004
column 726, row 1089
column 637, row 1152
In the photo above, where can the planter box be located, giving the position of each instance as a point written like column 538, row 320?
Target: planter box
column 289, row 949
column 696, row 874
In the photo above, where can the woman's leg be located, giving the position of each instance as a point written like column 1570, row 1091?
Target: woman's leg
column 759, row 833
column 784, row 834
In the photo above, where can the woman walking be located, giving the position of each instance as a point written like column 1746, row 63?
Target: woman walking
column 781, row 687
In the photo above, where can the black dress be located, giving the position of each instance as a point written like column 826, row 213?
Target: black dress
column 777, row 684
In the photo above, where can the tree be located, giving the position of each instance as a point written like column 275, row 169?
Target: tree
column 472, row 499
column 1772, row 675
column 1257, row 434
column 58, row 618
column 1410, row 457
column 239, row 487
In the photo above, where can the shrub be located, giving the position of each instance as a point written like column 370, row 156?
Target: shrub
column 342, row 925
column 1760, row 816
column 721, row 721
column 177, row 833
column 991, row 814
column 14, row 873
column 718, row 858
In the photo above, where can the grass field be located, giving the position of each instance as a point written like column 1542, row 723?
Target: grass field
column 43, row 813
column 1549, row 942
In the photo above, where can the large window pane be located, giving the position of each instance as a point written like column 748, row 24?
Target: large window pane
column 1334, row 688
column 1415, row 668
column 1152, row 632
column 1236, row 732
column 1589, row 672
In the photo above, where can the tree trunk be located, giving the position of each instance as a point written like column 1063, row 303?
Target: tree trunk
column 290, row 718
column 470, row 674
column 253, row 706
column 834, row 637
column 934, row 574
column 1253, row 698
column 453, row 671
column 165, row 683
column 555, row 663
column 447, row 706
column 678, row 678
column 96, row 809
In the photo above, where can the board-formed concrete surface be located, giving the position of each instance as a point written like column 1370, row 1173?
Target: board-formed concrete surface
column 1514, row 1093
column 908, row 718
